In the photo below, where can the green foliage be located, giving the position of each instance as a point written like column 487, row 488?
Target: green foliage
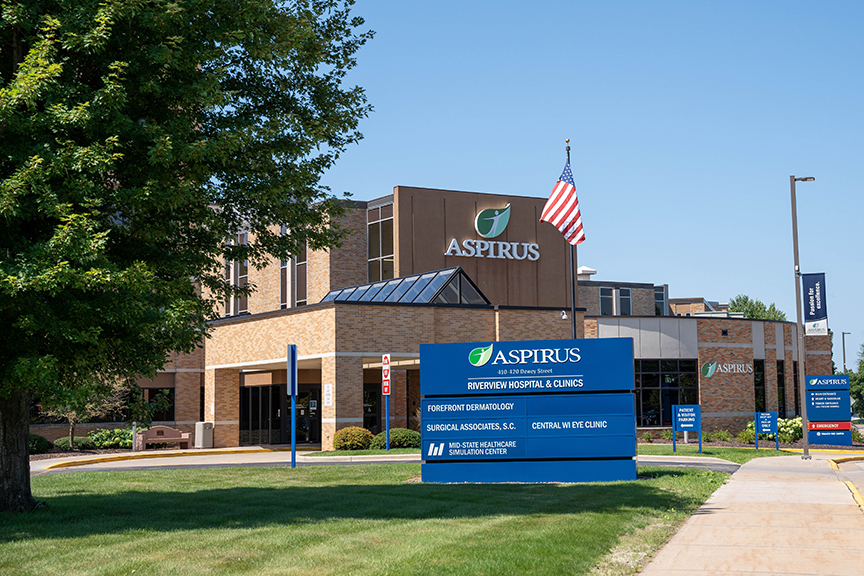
column 647, row 437
column 111, row 438
column 722, row 435
column 399, row 438
column 857, row 437
column 756, row 309
column 80, row 443
column 789, row 429
column 37, row 444
column 137, row 140
column 747, row 435
column 856, row 385
column 667, row 435
column 352, row 438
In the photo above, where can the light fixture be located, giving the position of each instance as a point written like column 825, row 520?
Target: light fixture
column 563, row 315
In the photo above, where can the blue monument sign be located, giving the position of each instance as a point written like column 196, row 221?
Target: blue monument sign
column 829, row 410
column 686, row 418
column 528, row 411
column 766, row 423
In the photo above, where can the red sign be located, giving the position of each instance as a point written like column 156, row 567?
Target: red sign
column 829, row 425
column 385, row 374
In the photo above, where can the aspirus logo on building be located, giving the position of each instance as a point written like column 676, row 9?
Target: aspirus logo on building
column 711, row 368
column 490, row 223
column 481, row 356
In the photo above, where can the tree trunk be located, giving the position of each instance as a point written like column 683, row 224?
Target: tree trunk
column 15, row 493
column 71, row 433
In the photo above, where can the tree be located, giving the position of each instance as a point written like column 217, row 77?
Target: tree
column 856, row 385
column 137, row 139
column 755, row 309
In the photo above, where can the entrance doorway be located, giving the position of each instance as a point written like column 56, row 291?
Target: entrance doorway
column 261, row 410
column 264, row 415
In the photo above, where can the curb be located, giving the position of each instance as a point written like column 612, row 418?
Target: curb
column 855, row 494
column 145, row 455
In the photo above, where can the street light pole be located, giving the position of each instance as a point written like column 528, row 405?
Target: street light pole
column 843, row 335
column 803, row 394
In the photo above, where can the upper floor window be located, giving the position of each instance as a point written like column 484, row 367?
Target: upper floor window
column 300, row 274
column 661, row 300
column 607, row 302
column 624, row 307
column 379, row 246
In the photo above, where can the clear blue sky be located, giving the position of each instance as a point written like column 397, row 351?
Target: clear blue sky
column 685, row 118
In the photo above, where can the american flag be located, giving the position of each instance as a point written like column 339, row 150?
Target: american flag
column 562, row 209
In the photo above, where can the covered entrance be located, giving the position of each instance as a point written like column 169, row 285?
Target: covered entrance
column 264, row 415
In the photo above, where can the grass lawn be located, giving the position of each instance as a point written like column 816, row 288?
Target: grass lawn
column 345, row 520
column 738, row 455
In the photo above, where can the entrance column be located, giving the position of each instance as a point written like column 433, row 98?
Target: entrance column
column 398, row 399
column 222, row 405
column 345, row 375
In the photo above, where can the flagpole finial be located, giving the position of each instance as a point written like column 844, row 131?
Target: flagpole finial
column 567, row 140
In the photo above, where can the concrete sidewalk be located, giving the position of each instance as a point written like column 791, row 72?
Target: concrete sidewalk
column 774, row 516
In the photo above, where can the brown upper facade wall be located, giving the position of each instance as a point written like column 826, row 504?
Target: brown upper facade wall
column 426, row 222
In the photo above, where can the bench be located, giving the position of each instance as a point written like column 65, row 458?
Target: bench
column 160, row 435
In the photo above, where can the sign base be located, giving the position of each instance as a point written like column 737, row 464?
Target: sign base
column 556, row 471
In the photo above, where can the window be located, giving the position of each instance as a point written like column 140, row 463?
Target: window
column 795, row 388
column 759, row 384
column 379, row 243
column 624, row 308
column 660, row 384
column 283, row 278
column 167, row 414
column 607, row 299
column 243, row 277
column 372, row 407
column 300, row 278
column 661, row 300
column 781, row 390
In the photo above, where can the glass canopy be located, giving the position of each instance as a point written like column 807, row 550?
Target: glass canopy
column 448, row 286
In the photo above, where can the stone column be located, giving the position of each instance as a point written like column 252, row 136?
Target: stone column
column 222, row 405
column 345, row 373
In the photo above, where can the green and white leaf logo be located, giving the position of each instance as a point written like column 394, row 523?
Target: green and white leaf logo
column 708, row 369
column 492, row 222
column 813, row 381
column 480, row 356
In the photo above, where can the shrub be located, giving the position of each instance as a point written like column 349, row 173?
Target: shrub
column 352, row 438
column 790, row 429
column 111, row 438
column 748, row 434
column 646, row 437
column 709, row 436
column 80, row 443
column 857, row 437
column 722, row 436
column 399, row 438
column 667, row 435
column 37, row 444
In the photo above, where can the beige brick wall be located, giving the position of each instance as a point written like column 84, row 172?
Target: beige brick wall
column 346, row 375
column 222, row 405
column 642, row 302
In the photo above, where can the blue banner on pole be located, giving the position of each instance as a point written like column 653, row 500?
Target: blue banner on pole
column 292, row 392
column 815, row 308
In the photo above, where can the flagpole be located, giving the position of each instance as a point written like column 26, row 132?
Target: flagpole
column 574, row 293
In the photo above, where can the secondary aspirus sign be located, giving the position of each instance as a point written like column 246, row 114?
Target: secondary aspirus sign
column 489, row 224
column 529, row 411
